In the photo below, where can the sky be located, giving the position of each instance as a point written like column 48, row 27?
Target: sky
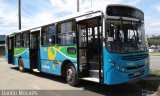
column 38, row 12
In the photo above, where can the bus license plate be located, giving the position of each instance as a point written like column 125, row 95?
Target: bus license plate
column 137, row 74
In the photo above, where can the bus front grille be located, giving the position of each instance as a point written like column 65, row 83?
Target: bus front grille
column 133, row 75
column 134, row 67
column 135, row 57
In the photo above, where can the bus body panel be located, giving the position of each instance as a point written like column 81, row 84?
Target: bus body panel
column 16, row 61
column 106, row 65
column 6, row 54
column 52, row 58
column 51, row 67
column 113, row 73
column 21, row 52
column 24, row 54
column 116, row 77
column 26, row 63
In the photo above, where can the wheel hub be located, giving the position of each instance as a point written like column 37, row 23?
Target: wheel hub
column 70, row 74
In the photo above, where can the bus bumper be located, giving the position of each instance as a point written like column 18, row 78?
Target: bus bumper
column 116, row 77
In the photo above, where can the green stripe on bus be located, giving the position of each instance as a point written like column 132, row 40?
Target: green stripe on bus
column 18, row 51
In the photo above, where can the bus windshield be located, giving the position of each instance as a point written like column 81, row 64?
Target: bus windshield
column 125, row 36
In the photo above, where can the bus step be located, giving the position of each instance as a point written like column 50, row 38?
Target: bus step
column 94, row 73
column 36, row 70
column 91, row 79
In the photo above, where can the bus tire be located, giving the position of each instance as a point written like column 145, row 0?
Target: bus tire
column 71, row 76
column 21, row 65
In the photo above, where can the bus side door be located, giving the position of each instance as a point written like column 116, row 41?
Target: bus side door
column 34, row 49
column 10, row 49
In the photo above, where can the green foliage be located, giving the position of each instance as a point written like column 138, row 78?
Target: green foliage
column 154, row 40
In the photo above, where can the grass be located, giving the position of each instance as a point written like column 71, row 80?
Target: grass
column 155, row 72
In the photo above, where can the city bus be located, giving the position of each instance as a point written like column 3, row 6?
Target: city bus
column 105, row 46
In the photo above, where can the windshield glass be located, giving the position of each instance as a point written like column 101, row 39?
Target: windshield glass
column 125, row 36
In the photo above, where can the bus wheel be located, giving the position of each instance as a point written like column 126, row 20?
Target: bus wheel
column 21, row 65
column 72, row 78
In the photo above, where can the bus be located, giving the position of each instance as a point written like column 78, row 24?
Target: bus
column 105, row 46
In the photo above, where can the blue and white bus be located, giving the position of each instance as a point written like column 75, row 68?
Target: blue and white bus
column 104, row 46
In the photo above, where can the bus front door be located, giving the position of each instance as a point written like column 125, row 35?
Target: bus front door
column 89, row 46
column 10, row 50
column 34, row 49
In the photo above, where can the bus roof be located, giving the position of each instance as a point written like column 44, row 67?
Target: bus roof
column 76, row 15
column 61, row 19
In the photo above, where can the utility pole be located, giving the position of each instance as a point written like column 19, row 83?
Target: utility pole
column 77, row 5
column 91, row 3
column 19, row 13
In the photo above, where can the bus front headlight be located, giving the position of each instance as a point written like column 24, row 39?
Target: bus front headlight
column 123, row 69
column 111, row 62
column 118, row 67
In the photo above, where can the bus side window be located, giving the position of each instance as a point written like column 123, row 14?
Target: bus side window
column 66, row 33
column 48, row 35
column 25, row 39
column 18, row 40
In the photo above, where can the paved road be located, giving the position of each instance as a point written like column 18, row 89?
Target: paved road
column 155, row 62
column 12, row 79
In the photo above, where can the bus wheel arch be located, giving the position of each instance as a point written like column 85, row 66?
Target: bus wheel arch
column 21, row 64
column 69, row 71
column 64, row 67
